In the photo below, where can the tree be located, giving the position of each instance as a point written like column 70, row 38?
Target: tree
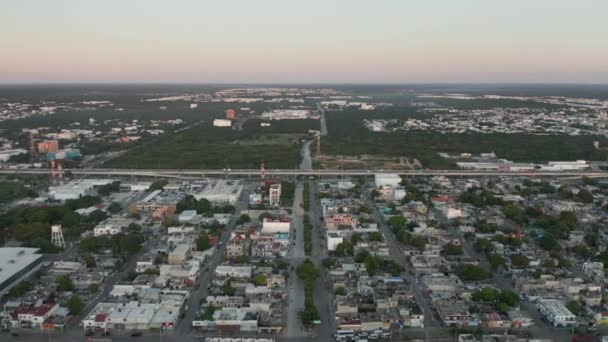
column 585, row 196
column 134, row 228
column 515, row 213
column 582, row 251
column 483, row 246
column 64, row 283
column 519, row 261
column 575, row 306
column 472, row 272
column 202, row 206
column 328, row 262
column 93, row 288
column 89, row 260
column 114, row 207
column 202, row 242
column 375, row 236
column 496, row 261
column 452, row 249
column 75, row 305
column 260, row 280
column 508, row 297
column 340, row 291
column 159, row 184
column 486, row 294
column 20, row 289
column 548, row 242
column 397, row 221
column 244, row 218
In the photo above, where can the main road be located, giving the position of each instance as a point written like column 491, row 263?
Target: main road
column 177, row 173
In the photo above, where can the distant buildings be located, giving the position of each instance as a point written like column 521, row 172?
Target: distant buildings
column 222, row 123
column 48, row 146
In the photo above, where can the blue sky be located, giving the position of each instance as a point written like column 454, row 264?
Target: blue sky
column 394, row 41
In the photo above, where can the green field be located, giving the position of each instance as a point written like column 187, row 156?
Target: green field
column 207, row 147
column 348, row 136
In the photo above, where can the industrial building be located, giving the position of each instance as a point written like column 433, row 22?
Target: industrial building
column 390, row 179
column 222, row 123
column 76, row 188
column 15, row 263
column 219, row 191
column 556, row 312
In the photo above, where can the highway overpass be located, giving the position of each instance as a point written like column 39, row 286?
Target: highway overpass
column 189, row 173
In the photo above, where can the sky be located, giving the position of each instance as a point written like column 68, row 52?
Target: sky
column 311, row 41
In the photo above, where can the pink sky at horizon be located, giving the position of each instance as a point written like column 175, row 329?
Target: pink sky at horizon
column 237, row 41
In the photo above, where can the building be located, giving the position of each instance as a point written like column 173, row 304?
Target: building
column 48, row 146
column 275, row 226
column 222, row 123
column 556, row 312
column 275, row 194
column 187, row 215
column 230, row 114
column 16, row 263
column 233, row 271
column 180, row 254
column 390, row 179
column 76, row 188
column 452, row 312
column 32, row 316
column 333, row 240
column 112, row 226
column 218, row 191
column 238, row 245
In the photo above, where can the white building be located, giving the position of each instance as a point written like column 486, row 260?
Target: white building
column 233, row 271
column 16, row 262
column 222, row 123
column 76, row 188
column 391, row 179
column 275, row 226
column 275, row 194
column 187, row 216
column 556, row 312
column 333, row 240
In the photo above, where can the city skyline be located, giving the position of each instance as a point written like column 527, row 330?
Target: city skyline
column 312, row 42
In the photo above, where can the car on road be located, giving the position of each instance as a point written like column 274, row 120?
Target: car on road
column 136, row 334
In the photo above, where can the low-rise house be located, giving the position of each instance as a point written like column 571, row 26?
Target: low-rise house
column 452, row 312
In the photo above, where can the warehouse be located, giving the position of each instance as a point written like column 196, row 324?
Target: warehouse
column 15, row 263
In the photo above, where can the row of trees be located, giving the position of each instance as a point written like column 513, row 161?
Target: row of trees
column 308, row 273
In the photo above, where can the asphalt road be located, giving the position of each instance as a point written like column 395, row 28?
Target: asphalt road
column 185, row 173
column 296, row 256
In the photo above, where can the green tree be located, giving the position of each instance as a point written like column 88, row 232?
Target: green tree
column 64, row 283
column 486, row 294
column 452, row 249
column 93, row 288
column 496, row 261
column 575, row 307
column 114, row 207
column 340, row 291
column 159, row 184
column 375, row 236
column 244, row 218
column 75, row 305
column 202, row 242
column 89, row 260
column 260, row 280
column 519, row 261
column 468, row 272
